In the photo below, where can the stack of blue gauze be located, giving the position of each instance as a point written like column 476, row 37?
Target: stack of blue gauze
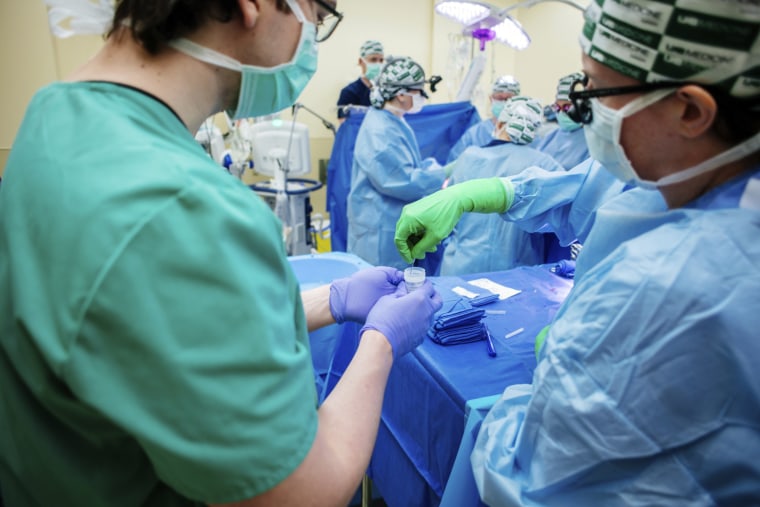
column 458, row 322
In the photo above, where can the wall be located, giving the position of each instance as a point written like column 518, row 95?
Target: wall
column 405, row 27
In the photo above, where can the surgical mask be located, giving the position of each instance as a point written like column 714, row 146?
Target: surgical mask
column 265, row 90
column 373, row 69
column 603, row 136
column 603, row 139
column 418, row 102
column 565, row 123
column 496, row 107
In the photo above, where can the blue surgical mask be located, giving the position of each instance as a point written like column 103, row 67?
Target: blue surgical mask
column 265, row 90
column 565, row 123
column 373, row 69
column 496, row 107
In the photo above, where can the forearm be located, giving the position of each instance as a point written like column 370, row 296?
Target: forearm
column 348, row 421
column 316, row 305
column 349, row 418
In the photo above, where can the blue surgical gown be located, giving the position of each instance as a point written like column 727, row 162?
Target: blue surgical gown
column 479, row 134
column 568, row 147
column 388, row 172
column 484, row 242
column 647, row 390
column 564, row 202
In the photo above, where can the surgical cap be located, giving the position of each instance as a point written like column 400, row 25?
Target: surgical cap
column 708, row 42
column 371, row 47
column 521, row 117
column 397, row 75
column 506, row 84
column 563, row 87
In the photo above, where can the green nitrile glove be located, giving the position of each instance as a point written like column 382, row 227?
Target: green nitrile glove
column 425, row 223
column 540, row 339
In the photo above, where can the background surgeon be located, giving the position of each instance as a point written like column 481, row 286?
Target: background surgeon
column 646, row 390
column 357, row 93
column 481, row 243
column 567, row 143
column 504, row 88
column 388, row 170
column 153, row 341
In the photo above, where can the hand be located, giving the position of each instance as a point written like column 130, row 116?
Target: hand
column 352, row 298
column 403, row 317
column 425, row 223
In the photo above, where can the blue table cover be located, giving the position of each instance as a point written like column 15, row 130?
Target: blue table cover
column 437, row 128
column 423, row 414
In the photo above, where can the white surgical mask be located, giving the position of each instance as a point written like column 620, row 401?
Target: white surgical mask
column 603, row 135
column 603, row 139
column 265, row 90
column 418, row 102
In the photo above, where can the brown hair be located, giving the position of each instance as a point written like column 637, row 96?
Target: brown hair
column 153, row 23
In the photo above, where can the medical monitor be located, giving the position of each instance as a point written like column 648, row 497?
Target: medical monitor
column 273, row 140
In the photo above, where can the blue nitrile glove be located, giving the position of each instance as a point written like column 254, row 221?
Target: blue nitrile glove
column 426, row 222
column 353, row 297
column 403, row 318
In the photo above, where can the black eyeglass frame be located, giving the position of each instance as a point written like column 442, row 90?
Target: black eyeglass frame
column 331, row 12
column 580, row 112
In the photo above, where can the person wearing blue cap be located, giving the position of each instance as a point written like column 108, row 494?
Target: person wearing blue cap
column 357, row 93
column 504, row 88
column 646, row 389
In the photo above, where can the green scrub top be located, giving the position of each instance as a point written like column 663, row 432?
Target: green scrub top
column 154, row 348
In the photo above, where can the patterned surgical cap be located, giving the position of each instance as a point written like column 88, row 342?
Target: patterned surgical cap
column 714, row 42
column 371, row 47
column 522, row 117
column 506, row 84
column 397, row 75
column 563, row 87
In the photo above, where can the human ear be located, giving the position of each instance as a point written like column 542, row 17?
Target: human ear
column 698, row 110
column 249, row 10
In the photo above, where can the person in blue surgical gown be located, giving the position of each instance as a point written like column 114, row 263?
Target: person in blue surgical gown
column 504, row 88
column 388, row 170
column 485, row 242
column 647, row 390
column 566, row 144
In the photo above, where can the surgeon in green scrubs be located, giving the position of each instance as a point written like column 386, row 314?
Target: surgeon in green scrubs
column 153, row 338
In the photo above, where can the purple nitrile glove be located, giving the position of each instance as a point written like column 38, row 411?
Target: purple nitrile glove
column 352, row 298
column 404, row 317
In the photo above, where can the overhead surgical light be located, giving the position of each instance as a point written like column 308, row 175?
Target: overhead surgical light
column 486, row 22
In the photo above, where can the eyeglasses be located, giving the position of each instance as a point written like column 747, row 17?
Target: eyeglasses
column 580, row 112
column 327, row 25
column 564, row 107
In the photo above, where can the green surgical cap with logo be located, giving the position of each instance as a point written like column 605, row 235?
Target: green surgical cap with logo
column 371, row 47
column 397, row 75
column 521, row 117
column 506, row 84
column 563, row 87
column 711, row 42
